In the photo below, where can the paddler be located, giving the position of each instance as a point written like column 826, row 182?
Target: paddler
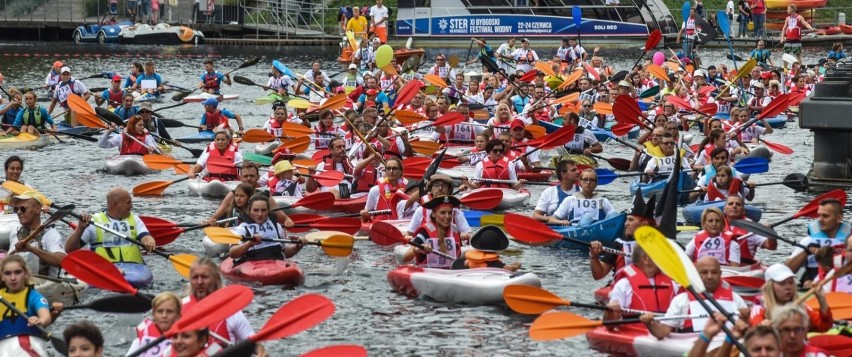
column 278, row 81
column 551, row 197
column 583, row 142
column 496, row 167
column 486, row 243
column 19, row 292
column 456, row 91
column 149, row 82
column 250, row 176
column 224, row 155
column 759, row 341
column 12, row 168
column 664, row 164
column 525, row 56
column 382, row 195
column 112, row 95
column 165, row 311
column 68, row 85
column 193, row 343
column 214, row 119
column 735, row 209
column 442, row 69
column 437, row 185
column 352, row 80
column 642, row 286
column 53, row 77
column 522, row 98
column 713, row 241
column 780, row 290
column 583, row 207
column 724, row 184
column 127, row 108
column 43, row 253
column 538, row 109
column 439, row 234
column 153, row 124
column 528, row 154
column 390, row 144
column 404, row 210
column 641, row 214
column 477, row 153
column 9, row 111
column 83, row 339
column 119, row 217
column 791, row 321
column 211, row 80
column 134, row 140
column 338, row 161
column 828, row 229
column 237, row 208
column 326, row 130
column 505, row 60
column 688, row 33
column 762, row 55
column 685, row 304
column 31, row 117
column 484, row 51
column 792, row 33
column 136, row 70
column 285, row 182
column 829, row 260
column 258, row 228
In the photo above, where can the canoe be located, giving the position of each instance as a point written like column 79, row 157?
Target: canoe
column 265, row 272
column 468, row 286
column 800, row 4
column 755, row 271
column 635, row 340
column 204, row 136
column 846, row 29
column 473, row 217
column 511, row 197
column 271, row 98
column 9, row 225
column 137, row 275
column 63, row 128
column 204, row 96
column 213, row 188
column 147, row 97
column 354, row 204
column 651, row 188
column 10, row 347
column 213, row 249
column 127, row 165
column 692, row 212
column 66, row 289
column 24, row 140
column 540, row 176
column 605, row 231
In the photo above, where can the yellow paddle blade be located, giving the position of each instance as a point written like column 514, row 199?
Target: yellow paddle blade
column 545, row 67
column 531, row 300
column 338, row 245
column 299, row 103
column 492, row 219
column 453, row 61
column 745, row 69
column 603, row 108
column 222, row 235
column 558, row 325
column 350, row 36
column 662, row 253
column 537, row 131
column 427, row 148
column 658, row 72
column 17, row 188
column 435, row 80
column 687, row 228
column 255, row 135
column 182, row 262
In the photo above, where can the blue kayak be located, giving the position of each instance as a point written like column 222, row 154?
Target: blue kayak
column 204, row 136
column 64, row 128
column 649, row 189
column 137, row 275
column 600, row 134
column 604, row 231
column 473, row 217
column 692, row 212
column 775, row 122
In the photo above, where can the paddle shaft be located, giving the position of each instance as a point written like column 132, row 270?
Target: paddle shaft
column 785, row 240
column 720, row 309
column 120, row 235
column 507, row 182
column 438, row 253
column 140, row 142
column 195, row 152
column 60, row 212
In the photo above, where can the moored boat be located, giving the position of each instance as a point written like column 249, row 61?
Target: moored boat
column 127, row 165
column 482, row 286
column 136, row 274
column 160, row 34
column 266, row 272
column 692, row 212
column 605, row 231
column 212, row 188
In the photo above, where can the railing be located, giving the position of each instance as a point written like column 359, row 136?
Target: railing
column 42, row 10
column 285, row 17
column 818, row 18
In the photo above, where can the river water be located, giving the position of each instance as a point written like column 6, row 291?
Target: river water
column 368, row 312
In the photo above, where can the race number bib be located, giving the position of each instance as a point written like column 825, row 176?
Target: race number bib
column 113, row 240
column 436, row 261
column 63, row 92
column 576, row 144
column 713, row 247
column 462, row 132
column 149, row 84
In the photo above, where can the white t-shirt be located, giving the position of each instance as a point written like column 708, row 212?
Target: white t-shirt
column 549, row 199
column 680, row 306
column 378, row 14
column 729, row 8
column 417, row 219
column 51, row 242
column 579, row 207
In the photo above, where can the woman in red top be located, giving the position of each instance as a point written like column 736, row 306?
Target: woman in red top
column 779, row 290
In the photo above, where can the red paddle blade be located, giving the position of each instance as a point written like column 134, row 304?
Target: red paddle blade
column 836, row 345
column 622, row 129
column 408, row 91
column 329, row 178
column 653, row 40
column 338, row 350
column 775, row 107
column 709, row 109
column 385, row 234
column 592, row 71
column 793, row 99
column 415, row 173
column 317, row 201
column 212, row 309
column 165, row 236
column 529, row 76
column 96, row 271
column 529, row 230
column 483, row 199
column 298, row 315
column 348, row 225
column 451, row 118
column 303, row 218
column 810, row 210
column 558, row 138
column 156, row 222
column 745, row 281
column 779, row 148
column 679, row 102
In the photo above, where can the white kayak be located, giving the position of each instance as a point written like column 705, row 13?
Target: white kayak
column 213, row 249
column 266, row 148
column 128, row 165
column 65, row 289
column 467, row 286
column 511, row 197
column 213, row 188
column 9, row 225
column 204, row 96
column 11, row 347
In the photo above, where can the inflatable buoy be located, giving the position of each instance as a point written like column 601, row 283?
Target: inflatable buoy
column 833, row 30
column 186, row 34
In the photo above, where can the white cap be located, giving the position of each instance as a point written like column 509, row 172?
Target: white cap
column 758, row 85
column 353, row 66
column 65, row 69
column 698, row 73
column 778, row 273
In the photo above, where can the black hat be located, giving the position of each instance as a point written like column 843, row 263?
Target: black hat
column 642, row 209
column 490, row 239
column 412, row 185
column 440, row 200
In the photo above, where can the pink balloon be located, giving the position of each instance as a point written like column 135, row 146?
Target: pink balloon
column 659, row 58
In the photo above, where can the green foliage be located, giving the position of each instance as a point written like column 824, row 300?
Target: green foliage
column 21, row 7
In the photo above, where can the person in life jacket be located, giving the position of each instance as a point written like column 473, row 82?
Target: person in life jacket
column 127, row 108
column 31, row 117
column 119, row 217
column 149, row 82
column 456, row 91
column 83, row 337
column 724, row 184
column 192, row 344
column 643, row 286
column 134, row 140
column 792, row 33
column 496, row 167
column 442, row 69
column 381, row 195
column 220, row 159
column 525, row 56
column 19, row 292
column 136, row 70
column 439, row 234
column 713, row 240
column 485, row 51
column 9, row 111
column 762, row 55
column 735, row 209
column 780, row 290
column 688, row 33
column 261, row 229
column 214, row 119
column 666, row 163
column 285, row 182
column 326, row 130
column 165, row 311
column 435, row 186
column 54, row 76
column 828, row 230
column 603, row 263
column 237, row 207
column 337, row 161
column 791, row 321
column 251, row 182
column 43, row 253
column 211, row 80
column 153, row 124
column 278, row 81
column 528, row 154
column 583, row 207
column 829, row 260
column 113, row 95
column 66, row 87
column 584, row 141
column 685, row 304
column 389, row 143
column 486, row 243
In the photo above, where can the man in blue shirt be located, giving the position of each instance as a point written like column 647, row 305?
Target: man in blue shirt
column 211, row 80
column 214, row 118
column 149, row 82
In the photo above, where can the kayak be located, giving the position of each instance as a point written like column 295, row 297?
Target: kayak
column 204, row 136
column 400, row 224
column 540, row 176
column 775, row 122
column 147, row 97
column 692, row 212
column 584, row 160
column 127, row 165
column 9, row 225
column 65, row 289
column 136, row 274
column 271, row 98
column 11, row 347
column 605, row 231
column 800, row 4
column 266, row 272
column 213, row 188
column 63, row 128
column 213, row 249
column 511, row 197
column 604, row 134
column 482, row 286
column 651, row 188
column 204, row 96
column 635, row 340
column 474, row 217
column 23, row 140
column 353, row 204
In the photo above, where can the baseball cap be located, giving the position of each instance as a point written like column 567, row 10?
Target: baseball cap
column 145, row 106
column 58, row 64
column 116, row 78
column 758, row 85
column 211, row 101
column 29, row 195
column 525, row 40
column 372, row 92
column 353, row 66
column 517, row 123
column 65, row 69
column 766, row 75
column 778, row 273
column 624, row 83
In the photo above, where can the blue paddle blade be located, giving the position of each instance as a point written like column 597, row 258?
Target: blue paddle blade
column 684, row 10
column 724, row 23
column 283, row 69
column 577, row 13
column 752, row 165
column 605, row 176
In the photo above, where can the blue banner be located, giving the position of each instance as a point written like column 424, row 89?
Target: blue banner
column 515, row 25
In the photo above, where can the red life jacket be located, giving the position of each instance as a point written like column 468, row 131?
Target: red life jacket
column 228, row 170
column 794, row 32
column 496, row 171
column 734, row 188
column 430, row 231
column 146, row 332
column 214, row 119
column 715, row 251
column 690, row 26
column 736, row 232
column 211, row 81
column 131, row 147
column 392, row 151
column 116, row 97
column 220, row 328
column 723, row 292
column 386, row 195
column 274, row 128
column 366, row 180
column 841, row 284
column 646, row 296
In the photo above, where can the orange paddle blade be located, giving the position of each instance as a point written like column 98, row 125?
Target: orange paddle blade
column 153, row 188
column 545, row 67
column 293, row 129
column 435, row 80
column 79, row 105
column 295, row 146
column 408, row 117
column 836, row 300
column 334, row 103
column 303, row 165
column 570, row 98
column 181, row 169
column 531, row 300
column 160, row 162
column 658, row 72
column 537, row 131
column 603, row 108
column 558, row 325
column 573, row 77
column 257, row 136
column 427, row 148
column 568, row 107
column 390, row 69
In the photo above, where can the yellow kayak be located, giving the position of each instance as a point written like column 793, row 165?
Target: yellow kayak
column 24, row 140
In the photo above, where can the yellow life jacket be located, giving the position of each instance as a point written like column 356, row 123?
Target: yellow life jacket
column 117, row 253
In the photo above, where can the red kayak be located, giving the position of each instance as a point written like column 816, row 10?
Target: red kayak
column 541, row 176
column 266, row 272
column 350, row 205
column 634, row 340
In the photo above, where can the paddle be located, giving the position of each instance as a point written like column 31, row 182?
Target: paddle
column 84, row 112
column 450, row 118
column 214, row 308
column 155, row 188
column 837, row 345
column 809, row 210
column 745, row 281
column 346, row 225
column 530, row 231
column 486, row 199
column 60, row 212
column 783, row 149
column 650, row 92
column 258, row 158
column 506, row 182
column 533, row 300
column 96, row 271
column 172, row 123
column 748, row 165
column 56, row 342
column 385, row 234
column 557, row 138
column 844, row 299
column 339, row 245
column 118, row 304
column 652, row 42
column 161, row 162
column 247, row 63
column 560, row 324
column 195, row 152
column 407, row 117
column 298, row 315
column 616, row 163
column 796, row 181
column 673, row 262
column 725, row 25
column 741, row 72
column 338, row 350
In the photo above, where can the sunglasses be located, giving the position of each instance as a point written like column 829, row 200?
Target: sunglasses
column 587, row 105
column 497, row 151
column 393, row 168
column 667, row 143
column 19, row 209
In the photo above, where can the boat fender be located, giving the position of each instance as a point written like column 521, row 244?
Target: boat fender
column 186, row 34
